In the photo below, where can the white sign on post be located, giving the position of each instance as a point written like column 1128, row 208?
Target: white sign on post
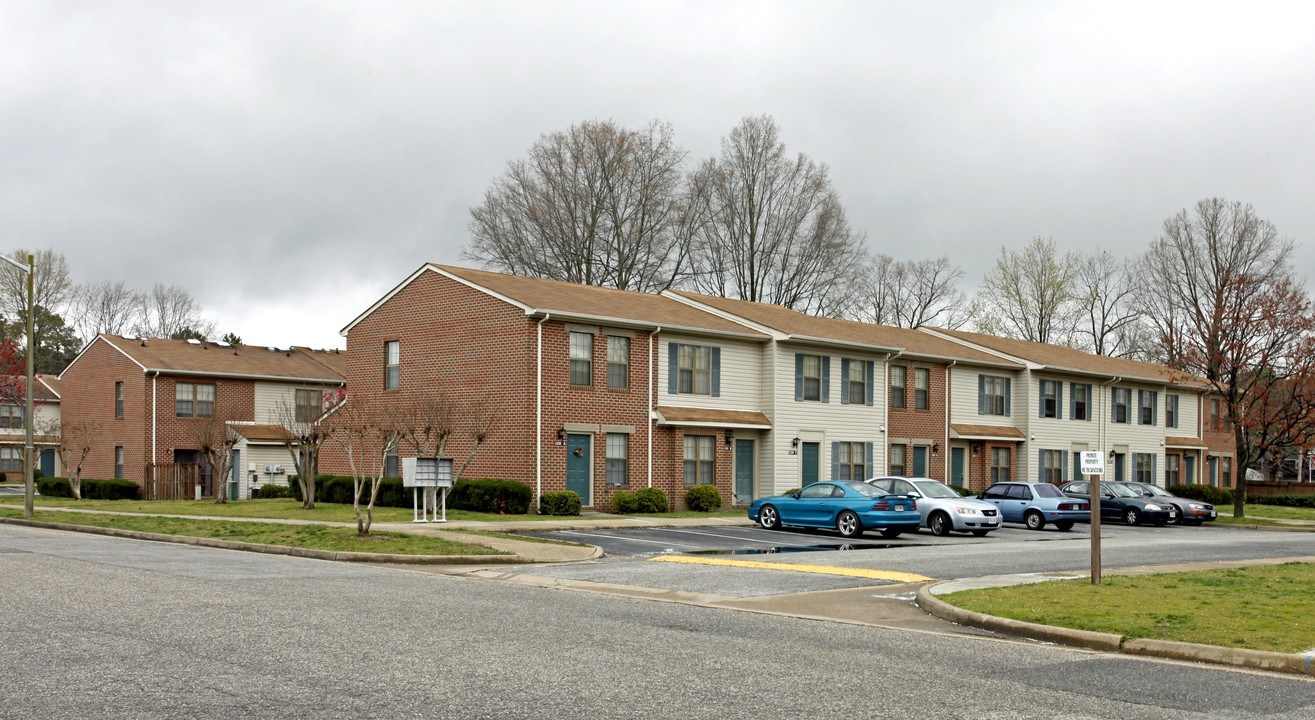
column 1093, row 463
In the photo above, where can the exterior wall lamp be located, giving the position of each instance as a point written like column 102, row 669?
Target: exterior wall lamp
column 561, row 433
column 730, row 438
column 795, row 443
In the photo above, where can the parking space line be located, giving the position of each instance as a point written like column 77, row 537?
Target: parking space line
column 794, row 567
column 627, row 539
column 741, row 538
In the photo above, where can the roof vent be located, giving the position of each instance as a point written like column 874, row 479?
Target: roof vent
column 193, row 341
column 272, row 349
column 221, row 343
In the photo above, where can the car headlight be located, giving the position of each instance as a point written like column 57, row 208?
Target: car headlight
column 1153, row 506
column 1196, row 506
column 967, row 511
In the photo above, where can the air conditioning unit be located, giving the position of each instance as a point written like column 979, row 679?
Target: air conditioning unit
column 274, row 469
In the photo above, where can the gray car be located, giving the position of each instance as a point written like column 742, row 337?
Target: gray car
column 1184, row 510
column 943, row 510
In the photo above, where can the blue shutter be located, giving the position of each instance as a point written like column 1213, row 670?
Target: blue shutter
column 835, row 461
column 716, row 372
column 1077, row 463
column 1114, row 400
column 1091, row 402
column 867, row 462
column 1041, row 399
column 1141, row 400
column 1072, row 400
column 798, row 377
column 1040, row 465
column 1059, row 401
column 844, row 381
column 871, row 379
column 1008, row 394
column 1155, row 409
column 673, row 368
column 981, row 394
column 1063, row 464
column 826, row 378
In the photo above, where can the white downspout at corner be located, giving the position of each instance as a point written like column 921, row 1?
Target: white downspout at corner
column 948, row 452
column 1103, row 435
column 154, row 379
column 538, row 413
column 885, row 413
column 652, row 397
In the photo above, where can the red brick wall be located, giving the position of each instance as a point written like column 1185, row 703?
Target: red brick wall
column 979, row 466
column 87, row 389
column 234, row 400
column 1219, row 440
column 909, row 422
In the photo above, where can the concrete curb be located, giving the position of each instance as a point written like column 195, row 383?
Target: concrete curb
column 341, row 556
column 1236, row 657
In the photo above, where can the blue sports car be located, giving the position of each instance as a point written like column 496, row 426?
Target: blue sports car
column 848, row 507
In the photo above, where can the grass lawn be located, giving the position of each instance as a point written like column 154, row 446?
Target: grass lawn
column 1271, row 511
column 318, row 537
column 288, row 509
column 1260, row 608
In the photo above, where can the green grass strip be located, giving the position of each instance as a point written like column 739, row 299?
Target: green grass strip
column 1259, row 608
column 316, row 537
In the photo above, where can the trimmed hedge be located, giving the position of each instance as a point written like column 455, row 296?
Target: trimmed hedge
column 703, row 498
column 92, row 488
column 339, row 489
column 652, row 500
column 491, row 496
column 275, row 491
column 1204, row 493
column 625, row 502
column 559, row 502
column 1285, row 500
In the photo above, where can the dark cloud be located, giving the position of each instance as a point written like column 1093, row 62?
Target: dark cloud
column 296, row 160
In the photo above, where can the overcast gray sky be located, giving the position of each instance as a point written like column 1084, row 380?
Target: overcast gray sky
column 290, row 162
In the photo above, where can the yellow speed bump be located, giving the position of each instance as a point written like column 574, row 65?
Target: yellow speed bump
column 795, row 567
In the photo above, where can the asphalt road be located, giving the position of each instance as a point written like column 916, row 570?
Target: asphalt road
column 99, row 627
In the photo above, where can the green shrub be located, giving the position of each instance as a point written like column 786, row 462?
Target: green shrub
column 652, row 500
column 340, row 488
column 703, row 498
column 1300, row 500
column 1204, row 493
column 37, row 474
column 55, row 487
column 491, row 496
column 625, row 502
column 275, row 491
column 559, row 502
column 110, row 489
column 963, row 491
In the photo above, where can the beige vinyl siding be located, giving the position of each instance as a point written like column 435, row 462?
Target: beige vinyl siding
column 252, row 462
column 963, row 401
column 1137, row 438
column 820, row 422
column 740, row 373
column 1062, row 433
column 269, row 395
column 1189, row 412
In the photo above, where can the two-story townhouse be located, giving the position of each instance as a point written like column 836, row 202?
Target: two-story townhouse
column 151, row 399
column 1144, row 417
column 45, row 429
column 851, row 399
column 592, row 389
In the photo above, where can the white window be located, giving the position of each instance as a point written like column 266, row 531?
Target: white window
column 618, row 454
column 582, row 358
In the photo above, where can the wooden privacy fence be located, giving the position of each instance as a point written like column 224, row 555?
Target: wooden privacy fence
column 176, row 481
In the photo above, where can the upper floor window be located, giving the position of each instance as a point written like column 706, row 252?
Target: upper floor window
column 850, row 461
column 1081, row 397
column 812, row 377
column 1146, row 402
column 392, row 364
column 194, row 400
column 118, row 399
column 921, row 384
column 993, row 395
column 11, row 416
column 1216, row 416
column 618, row 362
column 618, row 454
column 309, row 406
column 582, row 358
column 1120, row 398
column 695, row 369
column 1171, row 411
column 856, row 380
column 1049, row 399
column 898, row 379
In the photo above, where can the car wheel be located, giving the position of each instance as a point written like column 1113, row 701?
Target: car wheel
column 980, row 533
column 891, row 533
column 769, row 518
column 1034, row 520
column 1131, row 516
column 939, row 524
column 1064, row 525
column 848, row 524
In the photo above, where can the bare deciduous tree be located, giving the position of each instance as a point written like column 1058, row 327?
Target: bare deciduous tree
column 1243, row 323
column 215, row 439
column 107, row 307
column 598, row 204
column 911, row 294
column 1104, row 293
column 51, row 286
column 365, row 435
column 170, row 309
column 76, row 441
column 773, row 228
column 304, row 436
column 1028, row 295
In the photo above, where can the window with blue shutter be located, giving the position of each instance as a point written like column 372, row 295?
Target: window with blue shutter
column 844, row 381
column 871, row 376
column 693, row 369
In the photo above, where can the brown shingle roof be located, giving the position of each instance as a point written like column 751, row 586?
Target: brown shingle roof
column 882, row 337
column 1172, row 441
column 260, row 433
column 986, row 432
column 180, row 356
column 1066, row 358
column 597, row 302
column 680, row 415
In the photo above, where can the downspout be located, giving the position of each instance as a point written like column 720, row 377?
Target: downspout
column 154, row 380
column 885, row 412
column 652, row 397
column 948, row 395
column 1103, row 435
column 538, row 413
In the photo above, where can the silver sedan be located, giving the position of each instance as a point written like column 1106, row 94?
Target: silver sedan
column 943, row 510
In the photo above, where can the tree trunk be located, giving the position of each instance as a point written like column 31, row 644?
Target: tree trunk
column 1240, row 475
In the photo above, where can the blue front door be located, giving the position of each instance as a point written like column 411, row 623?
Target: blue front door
column 743, row 472
column 233, row 487
column 48, row 463
column 956, row 467
column 810, row 457
column 920, row 461
column 1189, row 473
column 577, row 466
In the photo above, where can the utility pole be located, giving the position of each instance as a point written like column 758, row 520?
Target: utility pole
column 29, row 487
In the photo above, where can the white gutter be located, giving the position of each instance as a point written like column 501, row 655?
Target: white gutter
column 1103, row 433
column 538, row 414
column 652, row 397
column 885, row 412
column 948, row 394
column 154, row 414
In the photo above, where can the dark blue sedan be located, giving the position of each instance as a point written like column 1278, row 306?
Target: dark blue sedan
column 847, row 507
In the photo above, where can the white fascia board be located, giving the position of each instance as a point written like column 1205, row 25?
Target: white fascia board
column 246, row 376
column 982, row 348
column 644, row 324
column 880, row 349
column 51, row 389
column 724, row 315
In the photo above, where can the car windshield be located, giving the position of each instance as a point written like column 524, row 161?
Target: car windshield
column 865, row 489
column 935, row 490
column 1047, row 490
column 1123, row 491
column 1156, row 490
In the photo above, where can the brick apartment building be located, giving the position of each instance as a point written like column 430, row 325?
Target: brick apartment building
column 150, row 397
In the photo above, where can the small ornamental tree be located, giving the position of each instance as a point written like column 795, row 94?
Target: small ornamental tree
column 366, row 435
column 303, row 436
column 77, row 438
